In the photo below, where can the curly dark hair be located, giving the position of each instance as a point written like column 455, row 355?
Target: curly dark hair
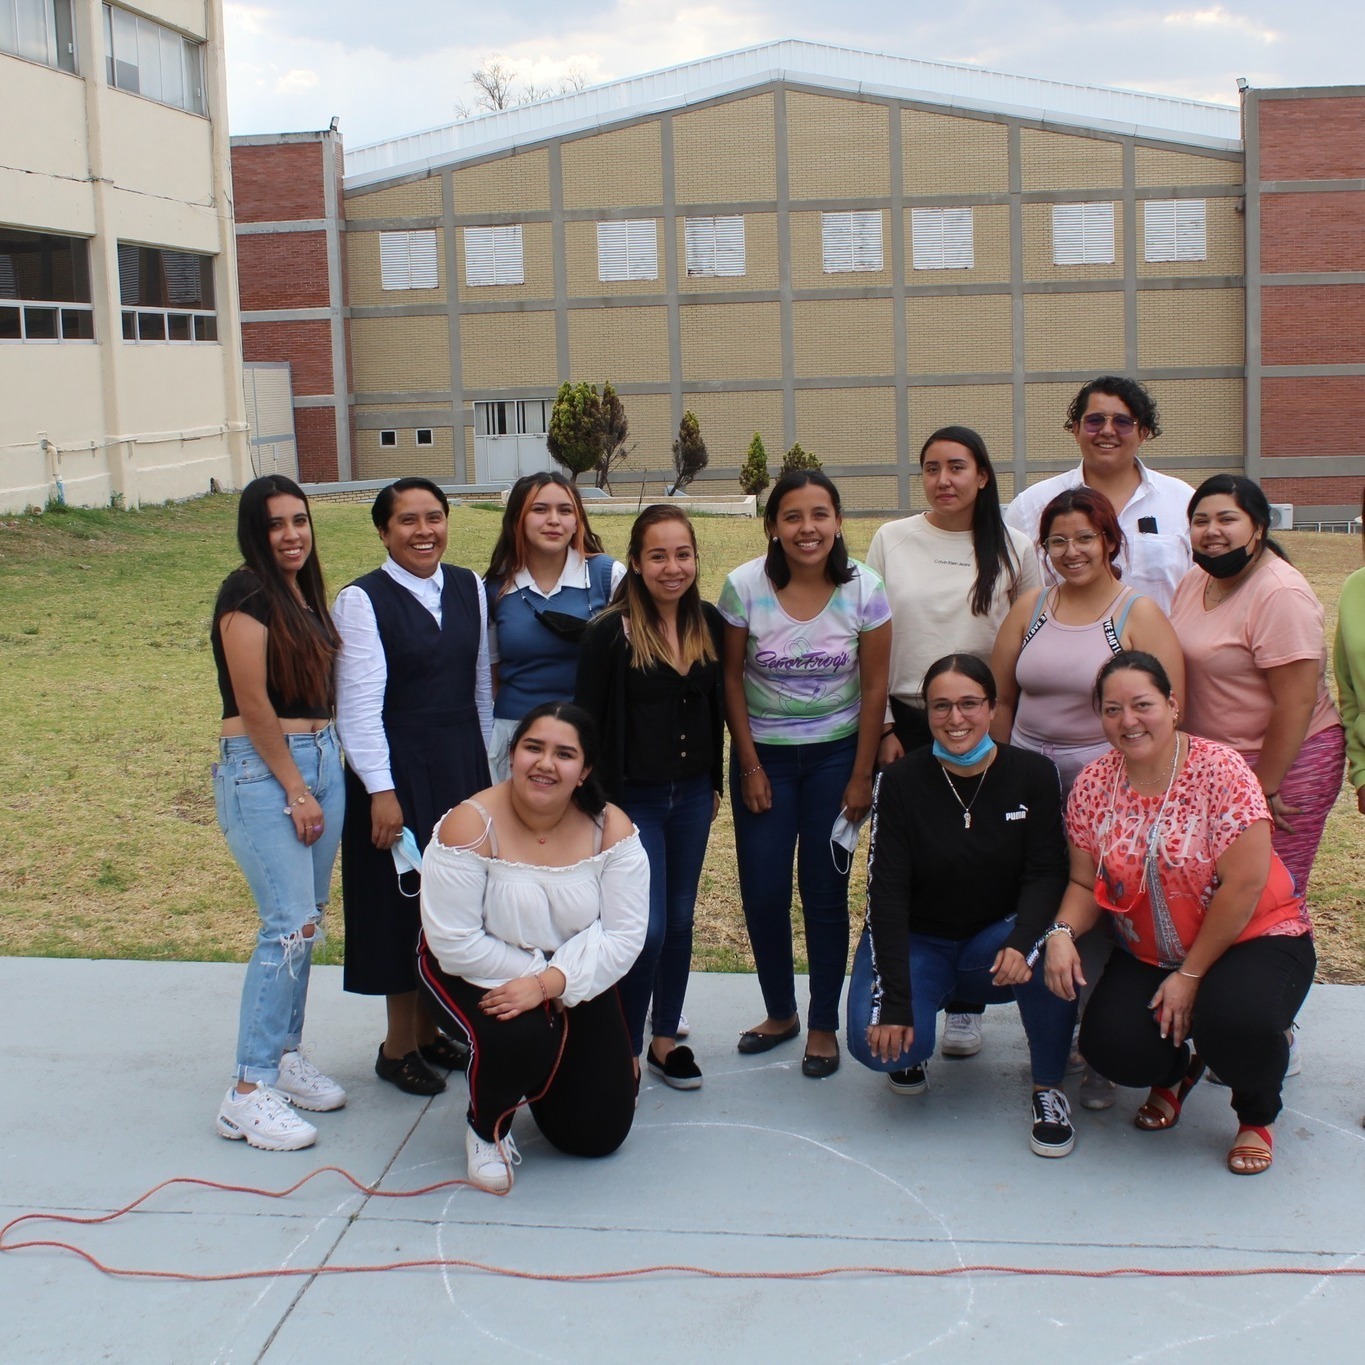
column 1129, row 392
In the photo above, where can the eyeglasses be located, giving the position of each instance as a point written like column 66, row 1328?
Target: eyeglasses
column 969, row 706
column 1056, row 545
column 1095, row 422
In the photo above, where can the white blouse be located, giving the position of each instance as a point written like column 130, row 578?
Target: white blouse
column 489, row 921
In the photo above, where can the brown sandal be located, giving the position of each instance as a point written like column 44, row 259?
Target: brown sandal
column 1151, row 1119
column 1244, row 1151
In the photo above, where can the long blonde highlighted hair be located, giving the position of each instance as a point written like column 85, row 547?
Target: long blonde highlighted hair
column 648, row 646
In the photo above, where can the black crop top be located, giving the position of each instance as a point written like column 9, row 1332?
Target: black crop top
column 242, row 591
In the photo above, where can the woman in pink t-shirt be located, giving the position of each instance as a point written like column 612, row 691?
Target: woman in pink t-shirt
column 1170, row 837
column 1256, row 664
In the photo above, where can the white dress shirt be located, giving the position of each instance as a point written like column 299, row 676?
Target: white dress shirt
column 1153, row 560
column 362, row 673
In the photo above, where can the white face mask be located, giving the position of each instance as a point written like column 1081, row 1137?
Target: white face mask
column 407, row 857
column 844, row 836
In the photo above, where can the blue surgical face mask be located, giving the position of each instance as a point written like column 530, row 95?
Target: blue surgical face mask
column 407, row 857
column 973, row 756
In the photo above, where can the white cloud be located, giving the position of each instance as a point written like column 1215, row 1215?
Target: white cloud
column 1218, row 17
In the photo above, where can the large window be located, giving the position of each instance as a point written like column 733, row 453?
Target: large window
column 493, row 255
column 628, row 250
column 44, row 287
column 851, row 241
column 715, row 246
column 1083, row 234
column 513, row 417
column 166, row 295
column 39, row 30
column 407, row 260
column 148, row 59
column 1174, row 230
column 942, row 239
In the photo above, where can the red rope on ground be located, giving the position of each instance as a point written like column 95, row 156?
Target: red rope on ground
column 582, row 1277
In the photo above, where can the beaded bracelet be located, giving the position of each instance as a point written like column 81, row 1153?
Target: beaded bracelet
column 757, row 768
column 289, row 808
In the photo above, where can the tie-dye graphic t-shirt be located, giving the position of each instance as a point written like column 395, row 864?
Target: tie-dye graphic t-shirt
column 801, row 677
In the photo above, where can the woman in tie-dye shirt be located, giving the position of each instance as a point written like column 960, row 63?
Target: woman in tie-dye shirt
column 807, row 649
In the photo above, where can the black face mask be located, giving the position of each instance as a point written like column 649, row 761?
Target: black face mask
column 559, row 623
column 1227, row 565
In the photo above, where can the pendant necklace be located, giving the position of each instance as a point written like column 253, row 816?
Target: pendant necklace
column 539, row 838
column 966, row 806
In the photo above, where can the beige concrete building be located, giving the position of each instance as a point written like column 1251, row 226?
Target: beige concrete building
column 120, row 354
column 818, row 245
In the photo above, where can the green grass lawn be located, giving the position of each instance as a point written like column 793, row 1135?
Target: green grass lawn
column 109, row 713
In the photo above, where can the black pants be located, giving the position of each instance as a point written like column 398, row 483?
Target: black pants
column 1246, row 1003
column 589, row 1105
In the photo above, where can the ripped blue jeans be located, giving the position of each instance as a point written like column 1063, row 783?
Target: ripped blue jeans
column 289, row 880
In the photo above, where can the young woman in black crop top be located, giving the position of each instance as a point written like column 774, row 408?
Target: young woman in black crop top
column 279, row 795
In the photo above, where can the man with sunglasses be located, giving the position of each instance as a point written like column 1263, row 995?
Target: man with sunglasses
column 1110, row 418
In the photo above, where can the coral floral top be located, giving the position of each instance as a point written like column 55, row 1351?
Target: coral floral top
column 1156, row 869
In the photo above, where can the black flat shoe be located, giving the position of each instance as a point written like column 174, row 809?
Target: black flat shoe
column 679, row 1069
column 410, row 1074
column 751, row 1041
column 448, row 1053
column 817, row 1068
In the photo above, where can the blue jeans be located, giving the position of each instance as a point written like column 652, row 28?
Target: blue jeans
column 289, row 880
column 674, row 819
column 942, row 969
column 807, row 782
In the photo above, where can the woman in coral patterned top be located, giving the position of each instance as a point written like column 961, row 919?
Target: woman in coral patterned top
column 1170, row 835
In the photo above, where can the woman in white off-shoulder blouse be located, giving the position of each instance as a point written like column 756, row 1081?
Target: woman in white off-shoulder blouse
column 535, row 899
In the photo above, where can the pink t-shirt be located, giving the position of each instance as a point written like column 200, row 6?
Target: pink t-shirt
column 1272, row 619
column 1214, row 800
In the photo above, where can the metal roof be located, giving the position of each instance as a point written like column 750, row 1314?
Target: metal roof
column 1192, row 122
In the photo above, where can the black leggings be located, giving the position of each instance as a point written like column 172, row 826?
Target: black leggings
column 590, row 1103
column 1245, row 1005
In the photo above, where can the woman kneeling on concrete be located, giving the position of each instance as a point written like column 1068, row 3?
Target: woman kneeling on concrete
column 966, row 868
column 535, row 899
column 1171, row 837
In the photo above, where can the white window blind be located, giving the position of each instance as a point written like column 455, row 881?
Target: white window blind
column 493, row 255
column 628, row 250
column 1083, row 234
column 942, row 239
column 1174, row 230
column 715, row 246
column 851, row 241
column 407, row 260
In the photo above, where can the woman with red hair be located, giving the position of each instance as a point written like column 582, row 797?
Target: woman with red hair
column 1054, row 641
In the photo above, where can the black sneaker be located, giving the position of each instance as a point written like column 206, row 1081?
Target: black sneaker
column 913, row 1081
column 1052, row 1133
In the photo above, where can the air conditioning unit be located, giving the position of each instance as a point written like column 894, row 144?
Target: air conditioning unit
column 1281, row 516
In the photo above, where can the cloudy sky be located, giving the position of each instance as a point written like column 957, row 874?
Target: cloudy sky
column 404, row 65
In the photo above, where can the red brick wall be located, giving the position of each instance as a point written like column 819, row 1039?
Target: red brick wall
column 1313, row 231
column 1313, row 415
column 307, row 346
column 1317, row 492
column 1313, row 325
column 315, row 432
column 282, row 270
column 277, row 183
column 1312, row 139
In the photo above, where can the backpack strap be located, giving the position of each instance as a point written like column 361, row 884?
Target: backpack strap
column 1039, row 618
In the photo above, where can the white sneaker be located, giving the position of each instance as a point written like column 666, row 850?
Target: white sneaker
column 304, row 1086
column 265, row 1120
column 961, row 1035
column 490, row 1163
column 684, row 1028
column 1097, row 1092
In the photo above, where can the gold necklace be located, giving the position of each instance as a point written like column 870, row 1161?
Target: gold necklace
column 539, row 838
